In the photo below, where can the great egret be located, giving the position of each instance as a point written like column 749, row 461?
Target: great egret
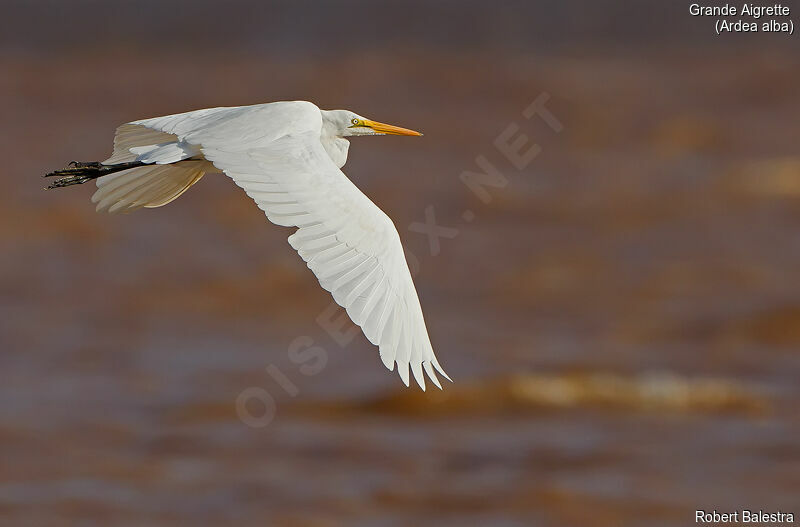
column 287, row 157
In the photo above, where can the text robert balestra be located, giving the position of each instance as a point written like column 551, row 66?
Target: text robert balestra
column 743, row 516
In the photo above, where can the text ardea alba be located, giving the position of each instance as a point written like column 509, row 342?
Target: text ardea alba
column 287, row 156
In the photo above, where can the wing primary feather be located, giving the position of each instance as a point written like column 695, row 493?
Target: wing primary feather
column 350, row 275
column 340, row 265
column 328, row 255
column 416, row 369
column 370, row 313
column 371, row 318
column 402, row 369
column 439, row 369
column 387, row 360
column 360, row 286
column 431, row 373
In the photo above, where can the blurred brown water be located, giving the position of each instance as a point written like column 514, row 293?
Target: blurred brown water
column 622, row 320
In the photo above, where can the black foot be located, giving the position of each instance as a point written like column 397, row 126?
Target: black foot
column 84, row 164
column 77, row 172
column 70, row 180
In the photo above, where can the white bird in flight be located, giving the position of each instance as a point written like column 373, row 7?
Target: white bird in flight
column 287, row 156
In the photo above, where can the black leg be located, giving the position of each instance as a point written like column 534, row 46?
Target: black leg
column 78, row 172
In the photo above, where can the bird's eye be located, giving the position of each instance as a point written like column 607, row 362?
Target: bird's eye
column 354, row 121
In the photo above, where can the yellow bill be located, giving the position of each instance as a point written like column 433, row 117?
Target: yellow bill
column 383, row 128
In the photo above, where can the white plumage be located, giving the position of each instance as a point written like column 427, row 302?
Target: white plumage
column 287, row 157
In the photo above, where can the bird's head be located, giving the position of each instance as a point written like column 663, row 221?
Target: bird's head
column 345, row 123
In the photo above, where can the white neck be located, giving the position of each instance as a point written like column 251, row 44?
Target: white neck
column 335, row 146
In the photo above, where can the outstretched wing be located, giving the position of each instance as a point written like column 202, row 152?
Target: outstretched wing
column 274, row 153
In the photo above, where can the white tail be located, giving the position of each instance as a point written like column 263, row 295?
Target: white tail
column 170, row 175
column 147, row 186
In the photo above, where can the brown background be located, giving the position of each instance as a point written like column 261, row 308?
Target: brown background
column 622, row 320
